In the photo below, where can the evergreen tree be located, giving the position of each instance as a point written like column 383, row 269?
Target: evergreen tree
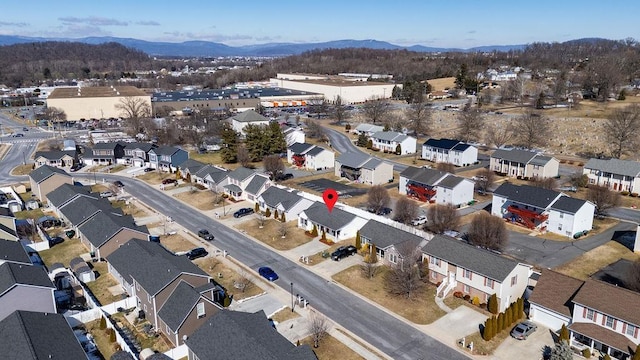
column 564, row 333
column 562, row 351
column 486, row 333
column 507, row 318
column 324, row 235
column 636, row 355
column 314, row 231
column 606, row 357
column 283, row 218
column 493, row 303
column 362, row 140
column 267, row 213
column 373, row 255
column 358, row 240
column 229, row 137
column 276, row 215
column 386, row 127
column 520, row 303
column 369, row 144
column 277, row 142
column 256, row 140
column 501, row 326
column 256, row 208
column 103, row 323
column 398, row 150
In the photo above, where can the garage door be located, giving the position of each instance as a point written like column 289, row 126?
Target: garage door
column 547, row 318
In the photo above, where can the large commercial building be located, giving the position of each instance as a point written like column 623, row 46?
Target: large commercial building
column 98, row 102
column 351, row 90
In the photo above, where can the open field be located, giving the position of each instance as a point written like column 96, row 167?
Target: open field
column 421, row 309
column 440, row 84
column 200, row 199
column 100, row 287
column 215, row 158
column 590, row 262
column 270, row 233
column 330, row 349
column 225, row 276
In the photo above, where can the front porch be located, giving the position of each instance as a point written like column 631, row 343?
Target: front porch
column 600, row 341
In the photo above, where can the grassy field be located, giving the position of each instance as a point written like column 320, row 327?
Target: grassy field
column 318, row 258
column 176, row 243
column 270, row 234
column 29, row 214
column 330, row 349
column 201, row 199
column 214, row 267
column 22, row 170
column 63, row 252
column 592, row 261
column 284, row 315
column 100, row 287
column 440, row 84
column 215, row 158
column 100, row 337
column 421, row 309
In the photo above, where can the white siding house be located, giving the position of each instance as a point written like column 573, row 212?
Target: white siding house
column 293, row 135
column 338, row 224
column 615, row 174
column 367, row 129
column 435, row 186
column 310, row 157
column 388, row 141
column 248, row 117
column 449, row 151
column 284, row 200
column 363, row 169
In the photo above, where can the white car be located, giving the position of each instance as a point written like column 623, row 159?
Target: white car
column 106, row 194
column 420, row 220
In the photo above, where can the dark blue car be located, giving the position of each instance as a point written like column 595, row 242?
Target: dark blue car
column 267, row 273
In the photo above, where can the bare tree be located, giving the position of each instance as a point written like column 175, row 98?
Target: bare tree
column 470, row 124
column 242, row 282
column 369, row 269
column 532, row 129
column 314, row 130
column 243, row 156
column 579, row 180
column 485, row 179
column 498, row 135
column 318, row 105
column 603, row 198
column 621, row 130
column 132, row 107
column 420, row 118
column 260, row 219
column 545, row 183
column 273, row 165
column 376, row 109
column 377, row 198
column 54, row 114
column 283, row 229
column 446, row 167
column 632, row 280
column 339, row 110
column 405, row 211
column 405, row 276
column 318, row 327
column 442, row 218
column 488, row 231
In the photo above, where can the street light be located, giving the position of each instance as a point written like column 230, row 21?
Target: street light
column 292, row 304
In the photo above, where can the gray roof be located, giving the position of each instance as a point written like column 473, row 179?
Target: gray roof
column 144, row 146
column 106, row 145
column 514, row 155
column 254, row 186
column 54, row 154
column 45, row 171
column 369, row 127
column 191, row 165
column 300, row 148
column 14, row 251
column 353, row 159
column 442, row 143
column 30, row 335
column 568, row 204
column 241, row 173
column 83, row 208
column 528, row 195
column 275, row 195
column 249, row 116
column 66, row 192
column 122, row 355
column 335, row 220
column 233, row 187
column 316, row 150
column 423, row 176
column 615, row 166
column 451, row 181
column 384, row 235
column 372, row 164
column 540, row 160
column 165, row 150
column 6, row 212
column 12, row 274
column 103, row 226
column 150, row 264
column 178, row 305
column 480, row 261
column 79, row 266
column 389, row 136
column 240, row 335
column 216, row 174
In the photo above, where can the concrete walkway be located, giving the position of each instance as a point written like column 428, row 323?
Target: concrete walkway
column 442, row 305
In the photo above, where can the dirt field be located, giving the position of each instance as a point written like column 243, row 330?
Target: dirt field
column 440, row 84
column 201, row 199
column 590, row 262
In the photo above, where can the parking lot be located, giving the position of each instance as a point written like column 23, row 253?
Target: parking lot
column 320, row 185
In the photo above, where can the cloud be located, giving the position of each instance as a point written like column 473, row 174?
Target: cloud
column 268, row 38
column 471, row 32
column 92, row 20
column 8, row 23
column 73, row 31
column 215, row 37
column 148, row 23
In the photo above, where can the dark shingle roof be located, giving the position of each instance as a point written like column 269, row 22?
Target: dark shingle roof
column 192, row 165
column 178, row 305
column 66, row 192
column 233, row 187
column 103, row 226
column 461, row 147
column 514, row 155
column 315, row 150
column 300, row 148
column 240, row 335
column 249, row 116
column 139, row 145
column 615, row 166
column 336, row 219
column 451, row 181
column 600, row 296
column 275, row 195
column 384, row 235
column 528, row 195
column 165, row 150
column 29, row 335
column 568, row 204
column 241, row 173
column 442, row 143
column 150, row 264
column 12, row 274
column 83, row 208
column 256, row 184
column 13, row 251
column 424, row 176
column 45, row 171
column 540, row 160
column 216, row 174
column 555, row 291
column 54, row 154
column 353, row 159
column 463, row 255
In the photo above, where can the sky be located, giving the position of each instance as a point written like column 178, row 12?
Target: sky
column 442, row 23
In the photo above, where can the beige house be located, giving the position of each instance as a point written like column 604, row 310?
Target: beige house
column 8, row 229
column 524, row 164
column 99, row 102
column 363, row 169
column 103, row 233
column 615, row 174
column 47, row 178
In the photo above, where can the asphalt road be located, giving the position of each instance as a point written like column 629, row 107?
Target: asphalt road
column 392, row 336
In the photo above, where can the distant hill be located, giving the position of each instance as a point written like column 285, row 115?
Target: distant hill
column 208, row 48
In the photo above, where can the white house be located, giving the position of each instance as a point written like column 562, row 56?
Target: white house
column 543, row 209
column 293, row 135
column 210, row 176
column 310, row 156
column 435, row 186
column 617, row 175
column 337, row 225
column 388, row 141
column 285, row 200
column 244, row 184
column 523, row 163
column 474, row 271
column 449, row 151
column 364, row 169
column 368, row 129
column 248, row 117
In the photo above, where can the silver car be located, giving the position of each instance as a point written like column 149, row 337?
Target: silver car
column 523, row 330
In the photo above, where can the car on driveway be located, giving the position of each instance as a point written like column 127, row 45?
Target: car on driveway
column 267, row 273
column 205, row 234
column 148, row 169
column 55, row 240
column 420, row 220
column 169, row 181
column 382, row 211
column 343, row 252
column 243, row 212
column 106, row 194
column 197, row 253
column 25, row 129
column 523, row 330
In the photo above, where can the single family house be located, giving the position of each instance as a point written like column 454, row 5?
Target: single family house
column 391, row 142
column 56, row 158
column 248, row 117
column 106, row 153
column 368, row 129
column 523, row 164
column 167, row 158
column 389, row 240
column 308, row 156
column 103, row 233
column 25, row 287
column 47, row 178
column 284, row 200
column 337, row 225
column 136, row 154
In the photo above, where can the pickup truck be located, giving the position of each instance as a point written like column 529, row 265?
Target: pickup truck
column 342, row 252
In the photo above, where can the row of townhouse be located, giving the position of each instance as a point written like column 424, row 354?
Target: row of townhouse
column 599, row 316
column 362, row 168
column 523, row 164
column 309, row 156
column 440, row 187
column 387, row 141
column 449, row 151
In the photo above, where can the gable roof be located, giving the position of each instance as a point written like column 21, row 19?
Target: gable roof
column 35, row 335
column 451, row 181
column 389, row 136
column 106, row 145
column 66, row 192
column 442, row 143
column 240, row 335
column 215, row 173
column 191, row 165
column 461, row 147
column 568, row 204
column 241, row 173
column 300, row 148
column 273, row 196
column 555, row 291
column 478, row 260
column 384, row 235
column 369, row 127
column 82, row 208
column 372, row 163
column 316, row 150
column 144, row 146
column 45, row 171
column 12, row 274
column 14, row 251
column 103, row 226
column 249, row 116
column 540, row 160
column 425, row 176
column 353, row 159
column 165, row 150
column 615, row 166
column 514, row 155
column 150, row 264
column 598, row 295
column 336, row 220
column 54, row 154
column 179, row 304
column 529, row 195
column 254, row 186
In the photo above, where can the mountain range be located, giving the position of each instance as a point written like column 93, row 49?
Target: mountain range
column 212, row 49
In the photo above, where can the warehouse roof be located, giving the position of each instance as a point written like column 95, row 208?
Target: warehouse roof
column 95, row 91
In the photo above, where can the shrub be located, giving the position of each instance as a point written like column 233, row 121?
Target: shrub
column 358, row 240
column 486, row 333
column 564, row 334
column 324, row 235
column 624, row 193
column 370, row 144
column 103, row 323
column 475, row 301
column 347, row 127
column 586, row 353
column 283, row 218
column 634, row 194
column 267, row 213
column 398, row 150
column 467, row 297
column 458, row 294
column 483, row 306
column 256, row 208
column 493, row 304
column 314, row 231
column 276, row 215
column 112, row 335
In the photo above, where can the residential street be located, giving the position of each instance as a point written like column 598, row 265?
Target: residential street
column 396, row 338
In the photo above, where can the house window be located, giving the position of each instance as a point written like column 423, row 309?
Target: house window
column 489, row 282
column 590, row 314
column 137, row 286
column 200, row 309
column 149, row 299
column 434, row 275
column 631, row 330
column 393, row 257
column 609, row 322
column 434, row 261
column 466, row 273
column 514, row 280
column 168, row 329
column 466, row 289
column 559, row 226
column 561, row 216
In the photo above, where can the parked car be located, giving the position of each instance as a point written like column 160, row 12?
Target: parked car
column 283, row 177
column 205, row 234
column 18, row 135
column 148, row 169
column 25, row 129
column 523, row 330
column 267, row 273
column 70, row 233
column 118, row 183
column 55, row 240
column 243, row 212
column 343, row 251
column 106, row 194
column 76, row 167
column 169, row 181
column 383, row 211
column 197, row 253
column 420, row 220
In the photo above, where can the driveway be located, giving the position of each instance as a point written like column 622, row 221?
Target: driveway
column 525, row 349
column 462, row 321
